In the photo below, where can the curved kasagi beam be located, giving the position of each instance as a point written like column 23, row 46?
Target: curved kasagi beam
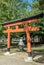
column 40, row 15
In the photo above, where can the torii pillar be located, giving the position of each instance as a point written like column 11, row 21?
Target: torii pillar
column 29, row 48
column 9, row 39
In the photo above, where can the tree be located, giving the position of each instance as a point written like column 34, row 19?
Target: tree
column 12, row 9
column 1, row 31
column 41, row 3
column 15, row 9
column 37, row 8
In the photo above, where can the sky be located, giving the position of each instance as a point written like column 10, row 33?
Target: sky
column 30, row 0
column 29, row 8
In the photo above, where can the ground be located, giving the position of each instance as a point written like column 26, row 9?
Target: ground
column 18, row 57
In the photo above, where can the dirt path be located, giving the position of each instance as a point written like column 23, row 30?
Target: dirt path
column 16, row 59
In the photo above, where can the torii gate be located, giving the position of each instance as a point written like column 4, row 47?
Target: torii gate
column 26, row 29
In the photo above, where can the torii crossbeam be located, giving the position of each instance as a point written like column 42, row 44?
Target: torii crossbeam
column 26, row 29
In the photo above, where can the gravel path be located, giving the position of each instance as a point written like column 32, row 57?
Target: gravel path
column 16, row 59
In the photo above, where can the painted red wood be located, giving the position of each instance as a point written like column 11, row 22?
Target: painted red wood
column 26, row 29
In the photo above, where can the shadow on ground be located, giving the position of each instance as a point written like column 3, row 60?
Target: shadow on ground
column 40, row 60
column 39, row 55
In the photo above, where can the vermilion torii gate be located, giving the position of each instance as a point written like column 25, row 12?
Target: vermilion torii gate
column 26, row 29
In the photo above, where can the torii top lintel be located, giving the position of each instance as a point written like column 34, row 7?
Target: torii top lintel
column 25, row 21
column 40, row 15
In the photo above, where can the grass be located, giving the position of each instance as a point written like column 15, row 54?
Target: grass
column 39, row 49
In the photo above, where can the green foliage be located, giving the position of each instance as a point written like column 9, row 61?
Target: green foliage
column 1, row 31
column 41, row 3
column 15, row 9
column 37, row 8
column 12, row 9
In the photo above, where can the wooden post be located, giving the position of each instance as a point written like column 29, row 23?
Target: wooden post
column 29, row 49
column 8, row 44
